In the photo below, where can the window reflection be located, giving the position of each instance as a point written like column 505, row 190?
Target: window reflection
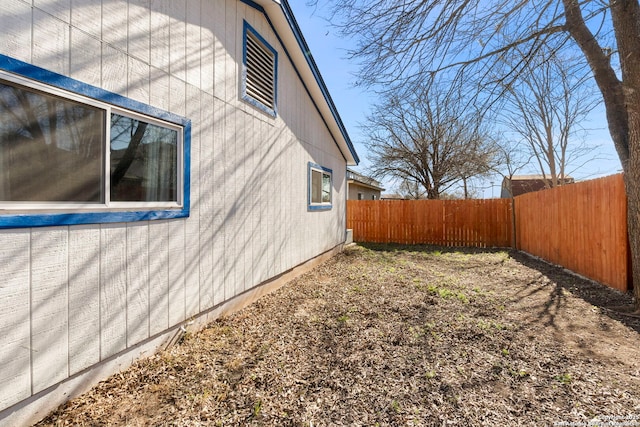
column 143, row 161
column 51, row 149
column 320, row 187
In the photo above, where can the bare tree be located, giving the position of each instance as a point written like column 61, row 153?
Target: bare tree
column 480, row 158
column 431, row 137
column 545, row 108
column 400, row 41
column 510, row 158
column 410, row 189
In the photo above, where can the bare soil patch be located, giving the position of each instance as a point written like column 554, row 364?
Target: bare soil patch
column 400, row 336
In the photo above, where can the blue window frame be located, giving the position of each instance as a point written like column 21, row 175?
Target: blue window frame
column 320, row 187
column 72, row 153
column 259, row 72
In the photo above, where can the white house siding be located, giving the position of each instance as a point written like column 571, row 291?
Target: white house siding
column 367, row 192
column 74, row 296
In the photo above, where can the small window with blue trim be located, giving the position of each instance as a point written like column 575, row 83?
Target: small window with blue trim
column 259, row 72
column 320, row 191
column 68, row 158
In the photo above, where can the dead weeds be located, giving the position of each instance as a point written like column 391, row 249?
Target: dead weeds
column 390, row 335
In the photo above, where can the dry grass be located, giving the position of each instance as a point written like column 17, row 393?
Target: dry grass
column 393, row 336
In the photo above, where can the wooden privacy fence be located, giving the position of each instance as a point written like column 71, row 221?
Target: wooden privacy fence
column 477, row 223
column 582, row 226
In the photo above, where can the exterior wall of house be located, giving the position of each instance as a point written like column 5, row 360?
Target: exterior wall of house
column 367, row 193
column 75, row 296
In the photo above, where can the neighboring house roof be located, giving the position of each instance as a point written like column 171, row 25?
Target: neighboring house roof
column 280, row 16
column 362, row 180
column 521, row 184
column 392, row 197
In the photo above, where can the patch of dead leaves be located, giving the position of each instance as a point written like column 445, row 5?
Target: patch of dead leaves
column 386, row 335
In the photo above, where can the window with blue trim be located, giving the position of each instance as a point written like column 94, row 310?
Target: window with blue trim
column 259, row 71
column 67, row 158
column 320, row 191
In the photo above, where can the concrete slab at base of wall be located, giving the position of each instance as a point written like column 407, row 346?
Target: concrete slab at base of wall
column 349, row 237
column 35, row 408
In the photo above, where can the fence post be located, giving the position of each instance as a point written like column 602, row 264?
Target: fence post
column 514, row 239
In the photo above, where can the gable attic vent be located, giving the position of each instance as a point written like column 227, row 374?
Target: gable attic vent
column 261, row 71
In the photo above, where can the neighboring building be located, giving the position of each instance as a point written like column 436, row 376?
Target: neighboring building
column 392, row 196
column 362, row 187
column 161, row 163
column 521, row 184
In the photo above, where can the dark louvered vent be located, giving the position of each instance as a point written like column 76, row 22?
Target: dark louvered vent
column 261, row 72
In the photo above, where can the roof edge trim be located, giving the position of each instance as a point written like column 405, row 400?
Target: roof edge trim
column 316, row 73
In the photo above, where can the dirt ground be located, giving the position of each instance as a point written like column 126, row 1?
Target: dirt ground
column 398, row 336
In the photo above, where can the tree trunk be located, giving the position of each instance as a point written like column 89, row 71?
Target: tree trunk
column 632, row 184
column 129, row 155
column 633, row 224
column 433, row 193
column 626, row 15
column 622, row 103
column 466, row 190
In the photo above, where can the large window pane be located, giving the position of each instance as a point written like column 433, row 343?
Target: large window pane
column 144, row 162
column 51, row 149
column 319, row 187
column 326, row 188
column 316, row 186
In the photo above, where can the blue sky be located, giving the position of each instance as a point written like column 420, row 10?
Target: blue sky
column 353, row 103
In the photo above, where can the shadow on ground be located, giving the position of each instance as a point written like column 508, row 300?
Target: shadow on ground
column 611, row 302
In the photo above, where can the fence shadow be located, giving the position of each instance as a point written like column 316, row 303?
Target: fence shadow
column 611, row 302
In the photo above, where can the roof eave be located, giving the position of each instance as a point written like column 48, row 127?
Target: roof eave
column 362, row 184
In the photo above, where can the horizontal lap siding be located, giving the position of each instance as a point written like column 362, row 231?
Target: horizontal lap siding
column 74, row 296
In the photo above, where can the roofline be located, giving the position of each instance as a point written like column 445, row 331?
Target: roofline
column 546, row 177
column 316, row 73
column 338, row 129
column 364, row 184
column 363, row 180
